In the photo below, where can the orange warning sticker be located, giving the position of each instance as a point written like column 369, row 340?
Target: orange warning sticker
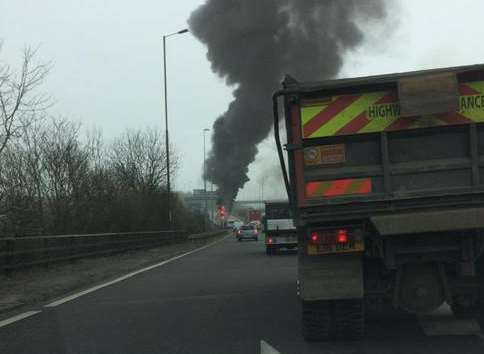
column 324, row 155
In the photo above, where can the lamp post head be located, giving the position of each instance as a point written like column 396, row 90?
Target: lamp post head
column 175, row 33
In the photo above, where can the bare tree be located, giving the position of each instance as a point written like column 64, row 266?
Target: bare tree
column 54, row 181
column 21, row 184
column 66, row 165
column 20, row 101
column 139, row 161
column 96, row 149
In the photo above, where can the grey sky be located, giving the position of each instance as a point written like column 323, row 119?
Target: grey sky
column 107, row 63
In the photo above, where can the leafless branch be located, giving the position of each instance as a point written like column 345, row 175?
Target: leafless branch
column 21, row 103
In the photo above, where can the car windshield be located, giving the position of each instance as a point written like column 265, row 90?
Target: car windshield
column 247, row 227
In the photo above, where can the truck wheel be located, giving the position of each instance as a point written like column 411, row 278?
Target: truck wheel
column 316, row 320
column 349, row 319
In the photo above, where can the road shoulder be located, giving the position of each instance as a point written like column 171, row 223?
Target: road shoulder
column 25, row 289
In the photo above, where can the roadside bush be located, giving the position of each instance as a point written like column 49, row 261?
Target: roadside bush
column 52, row 181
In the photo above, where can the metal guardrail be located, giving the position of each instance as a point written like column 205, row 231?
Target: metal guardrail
column 207, row 234
column 24, row 252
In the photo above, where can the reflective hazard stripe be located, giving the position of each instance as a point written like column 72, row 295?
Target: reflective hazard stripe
column 328, row 113
column 380, row 111
column 344, row 118
column 339, row 187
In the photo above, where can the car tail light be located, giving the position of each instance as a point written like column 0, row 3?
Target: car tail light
column 239, row 232
column 342, row 236
column 270, row 240
column 255, row 232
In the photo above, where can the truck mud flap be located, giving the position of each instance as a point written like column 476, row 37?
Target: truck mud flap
column 331, row 277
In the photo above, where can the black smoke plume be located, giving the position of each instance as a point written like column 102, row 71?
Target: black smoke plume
column 252, row 44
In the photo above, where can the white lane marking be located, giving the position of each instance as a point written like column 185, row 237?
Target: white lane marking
column 266, row 348
column 127, row 276
column 18, row 318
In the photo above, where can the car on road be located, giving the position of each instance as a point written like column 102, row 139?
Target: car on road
column 248, row 232
column 236, row 227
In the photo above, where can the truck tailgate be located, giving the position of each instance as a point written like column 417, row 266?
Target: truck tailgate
column 353, row 148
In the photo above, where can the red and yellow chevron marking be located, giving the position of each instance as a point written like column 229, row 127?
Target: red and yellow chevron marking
column 380, row 111
column 338, row 187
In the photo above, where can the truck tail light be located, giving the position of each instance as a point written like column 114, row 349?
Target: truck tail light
column 314, row 237
column 270, row 240
column 342, row 236
column 332, row 241
column 331, row 237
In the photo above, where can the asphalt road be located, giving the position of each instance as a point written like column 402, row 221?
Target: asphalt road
column 223, row 299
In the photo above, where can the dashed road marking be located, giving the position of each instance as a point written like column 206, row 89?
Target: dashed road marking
column 127, row 276
column 266, row 348
column 18, row 318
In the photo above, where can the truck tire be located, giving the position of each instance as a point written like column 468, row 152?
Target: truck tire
column 349, row 319
column 316, row 320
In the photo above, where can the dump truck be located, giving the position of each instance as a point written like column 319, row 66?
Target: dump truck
column 279, row 228
column 385, row 175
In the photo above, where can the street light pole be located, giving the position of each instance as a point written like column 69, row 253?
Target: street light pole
column 167, row 141
column 205, row 170
column 213, row 203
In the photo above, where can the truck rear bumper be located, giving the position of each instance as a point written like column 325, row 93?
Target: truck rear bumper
column 281, row 242
column 280, row 239
column 430, row 221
